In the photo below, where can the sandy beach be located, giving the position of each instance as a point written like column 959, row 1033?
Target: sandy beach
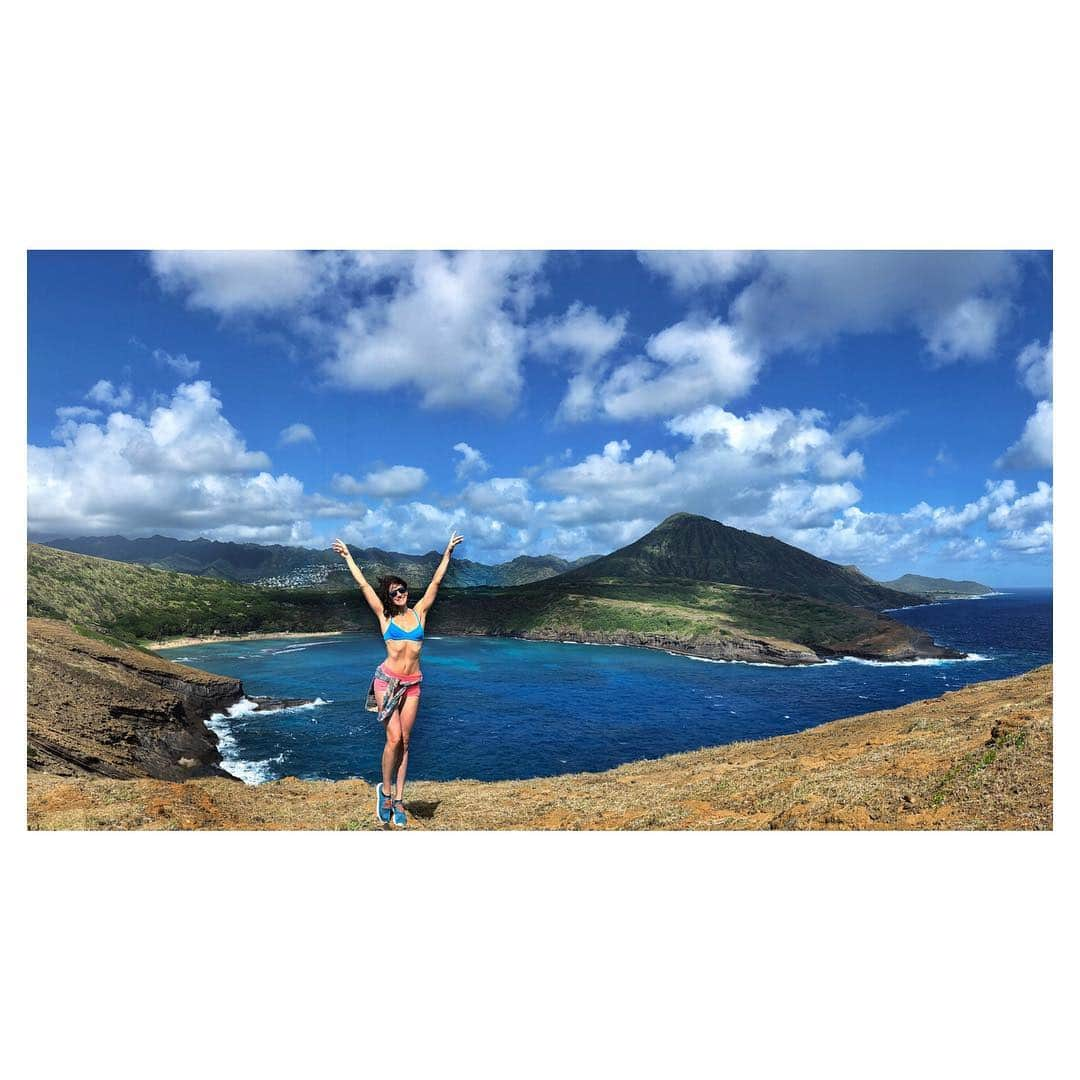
column 181, row 642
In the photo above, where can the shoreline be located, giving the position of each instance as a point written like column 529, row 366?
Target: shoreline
column 763, row 657
column 184, row 642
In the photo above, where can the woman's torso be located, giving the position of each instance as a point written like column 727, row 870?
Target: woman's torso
column 403, row 647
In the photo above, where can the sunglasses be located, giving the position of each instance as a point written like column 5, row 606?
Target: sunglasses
column 399, row 592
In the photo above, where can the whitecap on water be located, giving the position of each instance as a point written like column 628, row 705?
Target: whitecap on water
column 926, row 661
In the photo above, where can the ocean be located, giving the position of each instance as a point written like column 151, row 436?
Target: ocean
column 498, row 709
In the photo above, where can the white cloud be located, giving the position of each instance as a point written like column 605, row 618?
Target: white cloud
column 419, row 527
column 185, row 471
column 974, row 549
column 441, row 330
column 580, row 331
column 104, row 393
column 585, row 337
column 969, row 330
column 77, row 412
column 504, row 498
column 472, row 461
column 957, row 300
column 1022, row 510
column 397, row 481
column 690, row 270
column 1035, row 365
column 1036, row 541
column 688, row 364
column 237, row 282
column 791, row 442
column 296, row 433
column 765, row 472
column 450, row 332
column 180, row 363
column 794, row 506
column 874, row 538
column 1035, row 447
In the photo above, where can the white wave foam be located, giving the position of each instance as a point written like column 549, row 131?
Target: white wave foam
column 596, row 644
column 925, row 661
column 241, row 708
column 251, row 772
column 746, row 663
column 299, row 648
column 307, row 706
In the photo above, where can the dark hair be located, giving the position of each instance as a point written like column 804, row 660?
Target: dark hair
column 384, row 592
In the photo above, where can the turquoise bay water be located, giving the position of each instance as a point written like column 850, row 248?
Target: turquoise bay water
column 496, row 709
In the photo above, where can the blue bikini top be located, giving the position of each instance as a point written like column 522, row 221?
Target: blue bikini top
column 393, row 632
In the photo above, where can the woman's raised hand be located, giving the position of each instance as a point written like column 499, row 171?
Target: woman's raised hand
column 455, row 539
column 342, row 550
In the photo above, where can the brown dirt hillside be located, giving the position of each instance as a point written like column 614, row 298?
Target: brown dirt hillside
column 95, row 707
column 977, row 758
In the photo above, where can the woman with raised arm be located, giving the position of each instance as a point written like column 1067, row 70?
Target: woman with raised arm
column 395, row 689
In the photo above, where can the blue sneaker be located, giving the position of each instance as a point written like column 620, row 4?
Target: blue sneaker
column 399, row 818
column 382, row 812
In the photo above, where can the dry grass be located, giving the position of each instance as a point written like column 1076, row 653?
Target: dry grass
column 977, row 758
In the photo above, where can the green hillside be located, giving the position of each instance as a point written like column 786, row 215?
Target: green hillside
column 683, row 613
column 135, row 603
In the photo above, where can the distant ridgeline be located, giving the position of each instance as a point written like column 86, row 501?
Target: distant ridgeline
column 278, row 566
column 691, row 585
column 938, row 588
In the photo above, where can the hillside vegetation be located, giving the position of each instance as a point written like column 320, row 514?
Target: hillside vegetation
column 675, row 613
column 691, row 546
column 135, row 603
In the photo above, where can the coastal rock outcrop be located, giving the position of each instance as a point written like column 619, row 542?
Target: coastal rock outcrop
column 747, row 649
column 97, row 708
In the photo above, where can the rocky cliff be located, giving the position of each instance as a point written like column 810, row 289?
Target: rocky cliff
column 118, row 712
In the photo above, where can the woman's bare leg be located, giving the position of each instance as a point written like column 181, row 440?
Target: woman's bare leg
column 392, row 750
column 407, row 714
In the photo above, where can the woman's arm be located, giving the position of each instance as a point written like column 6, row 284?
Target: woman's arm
column 370, row 595
column 428, row 598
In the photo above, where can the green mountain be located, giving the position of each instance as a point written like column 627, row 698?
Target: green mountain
column 691, row 547
column 693, row 585
column 281, row 566
column 939, row 588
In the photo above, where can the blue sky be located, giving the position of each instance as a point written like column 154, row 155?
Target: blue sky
column 888, row 409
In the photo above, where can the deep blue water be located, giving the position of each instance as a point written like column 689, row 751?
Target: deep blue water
column 500, row 709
